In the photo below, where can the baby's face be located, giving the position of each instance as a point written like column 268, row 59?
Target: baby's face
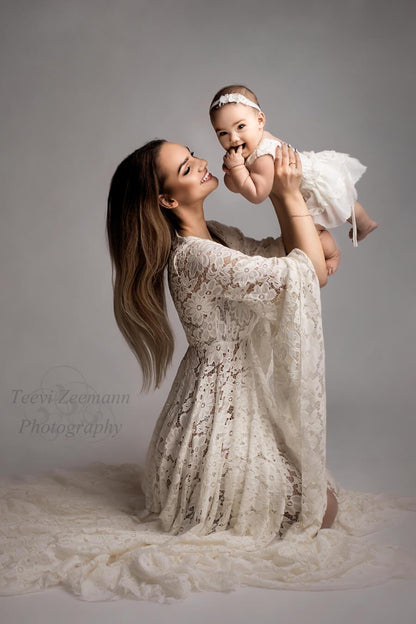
column 238, row 124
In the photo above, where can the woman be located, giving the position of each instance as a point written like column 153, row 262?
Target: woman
column 235, row 481
column 236, row 446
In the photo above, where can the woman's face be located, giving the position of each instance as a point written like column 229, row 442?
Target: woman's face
column 186, row 179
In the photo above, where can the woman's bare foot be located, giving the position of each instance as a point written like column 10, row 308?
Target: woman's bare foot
column 332, row 262
column 331, row 510
column 364, row 229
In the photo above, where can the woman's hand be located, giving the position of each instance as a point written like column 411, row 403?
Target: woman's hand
column 296, row 223
column 287, row 171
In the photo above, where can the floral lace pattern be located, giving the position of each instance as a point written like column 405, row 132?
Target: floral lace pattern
column 234, row 484
column 250, row 384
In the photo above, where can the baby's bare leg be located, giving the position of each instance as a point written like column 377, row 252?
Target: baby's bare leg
column 365, row 223
column 331, row 251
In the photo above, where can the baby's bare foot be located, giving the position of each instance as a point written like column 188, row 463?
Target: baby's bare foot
column 332, row 262
column 364, row 230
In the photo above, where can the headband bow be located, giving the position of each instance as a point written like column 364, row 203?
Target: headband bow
column 236, row 98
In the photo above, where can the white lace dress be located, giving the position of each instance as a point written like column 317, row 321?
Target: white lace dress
column 233, row 490
column 327, row 184
column 240, row 443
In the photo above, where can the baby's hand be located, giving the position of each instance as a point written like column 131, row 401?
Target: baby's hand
column 233, row 158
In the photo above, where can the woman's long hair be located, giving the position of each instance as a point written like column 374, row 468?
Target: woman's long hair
column 140, row 234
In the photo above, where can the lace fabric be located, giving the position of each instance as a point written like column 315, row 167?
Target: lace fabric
column 252, row 379
column 81, row 530
column 233, row 489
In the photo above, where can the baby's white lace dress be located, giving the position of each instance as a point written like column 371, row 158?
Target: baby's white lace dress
column 233, row 489
column 327, row 184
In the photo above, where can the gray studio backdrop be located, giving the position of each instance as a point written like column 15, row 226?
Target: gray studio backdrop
column 86, row 82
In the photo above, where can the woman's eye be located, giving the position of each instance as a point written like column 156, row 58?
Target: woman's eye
column 187, row 170
column 192, row 153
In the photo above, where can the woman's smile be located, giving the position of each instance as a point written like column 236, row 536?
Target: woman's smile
column 207, row 176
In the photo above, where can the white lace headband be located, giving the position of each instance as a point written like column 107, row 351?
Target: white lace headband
column 238, row 98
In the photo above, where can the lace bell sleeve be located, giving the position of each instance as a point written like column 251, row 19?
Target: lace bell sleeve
column 255, row 281
column 283, row 294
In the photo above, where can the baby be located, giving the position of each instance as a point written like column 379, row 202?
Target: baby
column 328, row 177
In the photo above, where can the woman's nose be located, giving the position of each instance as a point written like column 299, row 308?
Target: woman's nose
column 202, row 164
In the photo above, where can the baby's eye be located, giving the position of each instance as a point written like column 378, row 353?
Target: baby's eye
column 241, row 126
column 222, row 133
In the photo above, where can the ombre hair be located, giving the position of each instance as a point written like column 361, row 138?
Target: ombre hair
column 140, row 234
column 139, row 238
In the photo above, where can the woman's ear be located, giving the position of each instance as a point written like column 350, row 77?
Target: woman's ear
column 261, row 119
column 167, row 202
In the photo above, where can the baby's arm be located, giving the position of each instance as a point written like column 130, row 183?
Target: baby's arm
column 254, row 185
column 228, row 180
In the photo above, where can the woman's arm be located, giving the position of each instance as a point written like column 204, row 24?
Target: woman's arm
column 296, row 224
